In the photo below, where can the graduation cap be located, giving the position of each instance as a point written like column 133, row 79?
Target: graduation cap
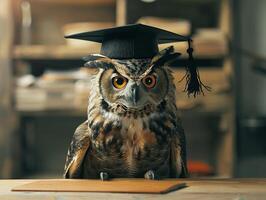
column 141, row 41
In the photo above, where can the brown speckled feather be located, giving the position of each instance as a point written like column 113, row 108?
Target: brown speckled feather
column 77, row 151
column 178, row 155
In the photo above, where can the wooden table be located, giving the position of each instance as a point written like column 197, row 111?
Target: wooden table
column 219, row 189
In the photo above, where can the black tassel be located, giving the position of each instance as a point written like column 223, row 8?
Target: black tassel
column 193, row 82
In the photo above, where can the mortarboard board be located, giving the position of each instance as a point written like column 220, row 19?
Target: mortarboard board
column 130, row 41
column 140, row 41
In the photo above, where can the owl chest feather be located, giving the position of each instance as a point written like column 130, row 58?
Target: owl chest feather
column 130, row 149
column 137, row 142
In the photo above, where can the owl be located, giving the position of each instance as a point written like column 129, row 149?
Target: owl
column 133, row 129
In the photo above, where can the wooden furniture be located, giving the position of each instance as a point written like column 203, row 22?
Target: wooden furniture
column 8, row 138
column 223, row 189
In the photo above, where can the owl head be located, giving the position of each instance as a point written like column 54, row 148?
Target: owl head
column 133, row 85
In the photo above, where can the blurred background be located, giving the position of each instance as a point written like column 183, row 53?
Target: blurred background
column 44, row 88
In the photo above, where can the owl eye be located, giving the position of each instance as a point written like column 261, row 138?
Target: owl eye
column 119, row 82
column 149, row 81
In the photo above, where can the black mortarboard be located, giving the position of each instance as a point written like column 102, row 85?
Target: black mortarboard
column 130, row 41
column 140, row 41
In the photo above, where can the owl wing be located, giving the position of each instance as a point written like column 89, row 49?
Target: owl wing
column 77, row 151
column 178, row 153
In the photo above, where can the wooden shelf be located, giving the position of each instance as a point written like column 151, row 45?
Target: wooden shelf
column 62, row 112
column 43, row 52
column 75, row 2
column 202, row 107
column 65, row 52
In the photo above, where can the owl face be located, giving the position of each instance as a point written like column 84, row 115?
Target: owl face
column 133, row 90
column 132, row 87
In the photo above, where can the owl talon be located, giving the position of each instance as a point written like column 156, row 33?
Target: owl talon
column 104, row 176
column 150, row 175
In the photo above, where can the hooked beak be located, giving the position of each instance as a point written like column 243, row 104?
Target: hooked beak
column 135, row 94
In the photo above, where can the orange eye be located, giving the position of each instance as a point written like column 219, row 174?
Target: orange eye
column 119, row 82
column 149, row 81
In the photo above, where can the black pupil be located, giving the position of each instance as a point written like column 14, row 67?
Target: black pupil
column 148, row 81
column 119, row 81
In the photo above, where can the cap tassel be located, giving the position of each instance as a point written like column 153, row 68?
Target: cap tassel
column 193, row 82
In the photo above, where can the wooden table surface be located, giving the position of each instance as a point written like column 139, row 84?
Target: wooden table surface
column 198, row 189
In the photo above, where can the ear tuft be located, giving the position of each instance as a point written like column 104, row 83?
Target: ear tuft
column 165, row 57
column 98, row 61
column 93, row 57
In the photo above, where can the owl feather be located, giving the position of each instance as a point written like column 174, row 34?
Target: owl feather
column 119, row 140
column 76, row 153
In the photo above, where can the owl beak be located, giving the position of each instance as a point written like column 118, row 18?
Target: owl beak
column 135, row 94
